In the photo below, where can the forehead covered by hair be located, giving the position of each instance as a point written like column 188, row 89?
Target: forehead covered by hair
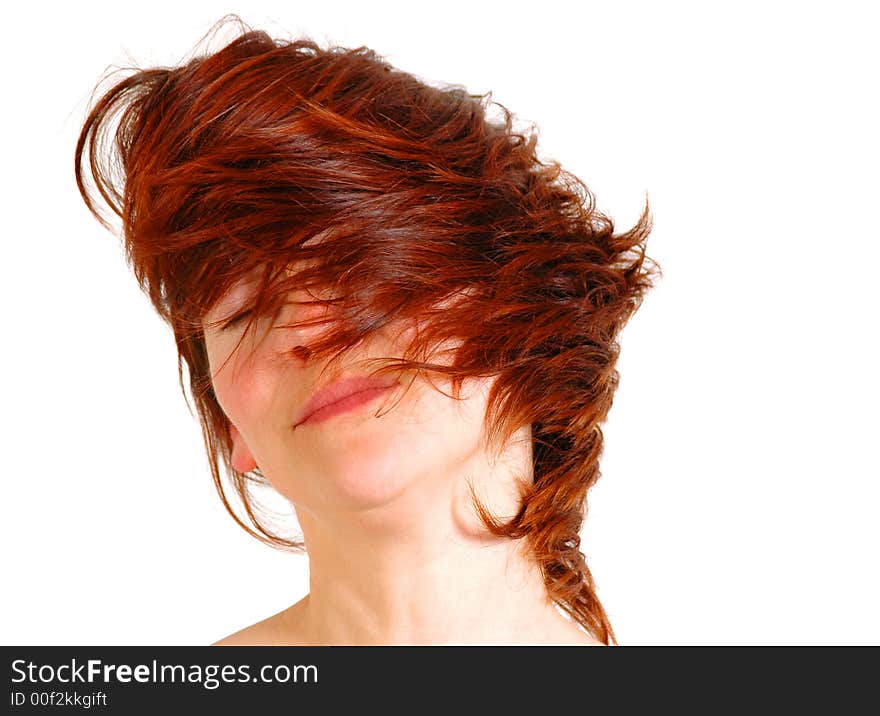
column 285, row 156
column 329, row 169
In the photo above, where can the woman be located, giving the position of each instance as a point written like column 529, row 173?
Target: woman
column 393, row 314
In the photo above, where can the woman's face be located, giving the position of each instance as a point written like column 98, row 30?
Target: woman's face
column 353, row 459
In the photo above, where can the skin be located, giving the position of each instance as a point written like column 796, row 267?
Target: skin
column 397, row 554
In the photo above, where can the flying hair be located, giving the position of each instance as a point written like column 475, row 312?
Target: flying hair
column 386, row 199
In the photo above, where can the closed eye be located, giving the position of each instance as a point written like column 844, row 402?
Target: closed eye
column 238, row 318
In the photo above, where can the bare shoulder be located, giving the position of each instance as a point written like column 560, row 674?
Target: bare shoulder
column 276, row 630
column 263, row 633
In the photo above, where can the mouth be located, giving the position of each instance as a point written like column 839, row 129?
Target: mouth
column 343, row 396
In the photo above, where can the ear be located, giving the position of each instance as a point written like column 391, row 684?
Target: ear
column 242, row 460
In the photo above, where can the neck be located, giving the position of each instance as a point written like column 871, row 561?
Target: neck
column 426, row 591
column 424, row 570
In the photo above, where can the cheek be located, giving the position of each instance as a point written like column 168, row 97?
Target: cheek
column 243, row 392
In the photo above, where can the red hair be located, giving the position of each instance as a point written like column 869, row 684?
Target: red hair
column 233, row 161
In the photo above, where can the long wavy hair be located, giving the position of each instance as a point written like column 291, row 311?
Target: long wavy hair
column 240, row 160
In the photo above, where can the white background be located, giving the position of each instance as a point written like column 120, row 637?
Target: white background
column 738, row 503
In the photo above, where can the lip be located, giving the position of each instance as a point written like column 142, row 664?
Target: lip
column 337, row 392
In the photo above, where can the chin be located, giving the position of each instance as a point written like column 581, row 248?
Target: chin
column 380, row 470
column 343, row 467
